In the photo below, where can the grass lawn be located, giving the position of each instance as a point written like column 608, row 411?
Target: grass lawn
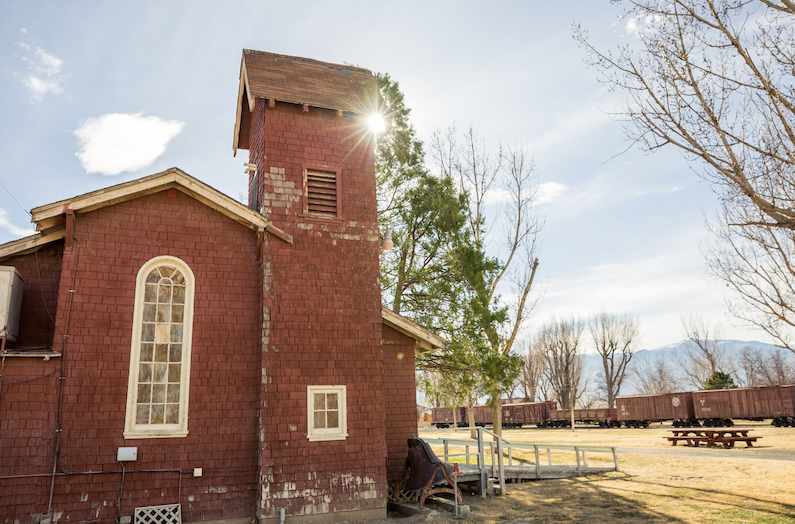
column 652, row 488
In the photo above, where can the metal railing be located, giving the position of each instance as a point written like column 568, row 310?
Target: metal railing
column 499, row 446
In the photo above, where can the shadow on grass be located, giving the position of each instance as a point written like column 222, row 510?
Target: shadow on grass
column 570, row 500
column 743, row 502
column 608, row 499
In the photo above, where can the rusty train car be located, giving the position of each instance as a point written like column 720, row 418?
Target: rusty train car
column 638, row 411
column 712, row 408
column 513, row 415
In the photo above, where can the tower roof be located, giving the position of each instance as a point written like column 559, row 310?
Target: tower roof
column 302, row 81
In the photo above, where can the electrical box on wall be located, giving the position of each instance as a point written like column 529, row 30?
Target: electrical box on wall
column 127, row 454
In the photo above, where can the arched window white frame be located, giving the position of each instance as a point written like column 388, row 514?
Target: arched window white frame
column 157, row 392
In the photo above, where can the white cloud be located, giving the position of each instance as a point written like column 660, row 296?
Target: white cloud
column 6, row 224
column 23, row 31
column 114, row 143
column 632, row 27
column 550, row 191
column 44, row 73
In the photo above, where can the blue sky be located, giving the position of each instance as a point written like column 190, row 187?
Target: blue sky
column 133, row 88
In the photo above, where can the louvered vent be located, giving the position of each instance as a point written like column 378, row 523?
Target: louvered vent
column 169, row 514
column 321, row 193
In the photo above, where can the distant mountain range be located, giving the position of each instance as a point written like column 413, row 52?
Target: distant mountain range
column 674, row 354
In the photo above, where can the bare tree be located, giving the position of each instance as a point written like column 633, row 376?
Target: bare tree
column 615, row 338
column 715, row 79
column 657, row 377
column 758, row 369
column 531, row 381
column 704, row 353
column 560, row 341
column 490, row 320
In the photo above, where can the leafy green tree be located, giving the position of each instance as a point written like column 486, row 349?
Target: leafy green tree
column 489, row 324
column 719, row 380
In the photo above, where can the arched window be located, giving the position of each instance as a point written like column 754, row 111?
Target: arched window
column 157, row 394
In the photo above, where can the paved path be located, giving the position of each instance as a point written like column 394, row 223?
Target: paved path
column 740, row 452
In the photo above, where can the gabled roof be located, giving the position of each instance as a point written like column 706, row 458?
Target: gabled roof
column 50, row 218
column 303, row 81
column 424, row 340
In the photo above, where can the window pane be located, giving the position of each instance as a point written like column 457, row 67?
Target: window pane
column 178, row 278
column 158, row 393
column 176, row 333
column 172, row 413
column 161, row 334
column 157, row 414
column 149, row 312
column 179, row 294
column 160, row 372
column 164, row 294
column 333, row 419
column 145, row 373
column 174, row 372
column 163, row 313
column 144, row 393
column 320, row 420
column 153, row 278
column 146, row 352
column 161, row 353
column 148, row 333
column 320, row 401
column 150, row 293
column 173, row 393
column 167, row 271
column 142, row 414
column 175, row 353
column 331, row 401
column 177, row 314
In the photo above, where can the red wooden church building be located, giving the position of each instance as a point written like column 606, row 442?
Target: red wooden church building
column 175, row 352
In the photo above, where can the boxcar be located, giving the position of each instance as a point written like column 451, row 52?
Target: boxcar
column 527, row 413
column 718, row 407
column 443, row 417
column 638, row 411
column 483, row 416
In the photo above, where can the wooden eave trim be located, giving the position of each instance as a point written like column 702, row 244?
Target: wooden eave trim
column 424, row 340
column 28, row 244
column 149, row 185
column 310, row 104
column 243, row 87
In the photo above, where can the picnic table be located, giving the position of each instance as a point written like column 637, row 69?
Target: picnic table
column 710, row 436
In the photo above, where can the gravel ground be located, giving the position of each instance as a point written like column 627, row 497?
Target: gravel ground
column 739, row 452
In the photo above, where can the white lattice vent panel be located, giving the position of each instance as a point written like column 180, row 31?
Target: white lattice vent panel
column 168, row 514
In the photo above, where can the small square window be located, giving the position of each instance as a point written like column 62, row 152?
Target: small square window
column 326, row 413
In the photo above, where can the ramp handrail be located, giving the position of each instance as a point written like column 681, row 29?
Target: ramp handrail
column 500, row 443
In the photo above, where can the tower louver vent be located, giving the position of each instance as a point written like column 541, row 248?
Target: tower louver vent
column 321, row 193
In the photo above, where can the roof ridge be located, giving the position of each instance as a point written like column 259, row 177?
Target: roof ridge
column 312, row 61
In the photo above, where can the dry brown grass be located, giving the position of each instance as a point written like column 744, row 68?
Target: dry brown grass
column 652, row 488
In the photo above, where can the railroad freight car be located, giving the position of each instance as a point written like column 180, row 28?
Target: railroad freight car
column 638, row 411
column 716, row 408
column 443, row 417
column 605, row 417
column 483, row 416
column 527, row 413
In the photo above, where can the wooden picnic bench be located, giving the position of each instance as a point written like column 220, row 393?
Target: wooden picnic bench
column 726, row 437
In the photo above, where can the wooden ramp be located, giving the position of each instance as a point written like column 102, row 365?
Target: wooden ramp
column 494, row 461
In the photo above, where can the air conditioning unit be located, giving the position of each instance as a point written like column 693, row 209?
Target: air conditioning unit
column 10, row 302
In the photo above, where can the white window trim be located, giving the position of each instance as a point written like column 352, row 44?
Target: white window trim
column 132, row 430
column 340, row 433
